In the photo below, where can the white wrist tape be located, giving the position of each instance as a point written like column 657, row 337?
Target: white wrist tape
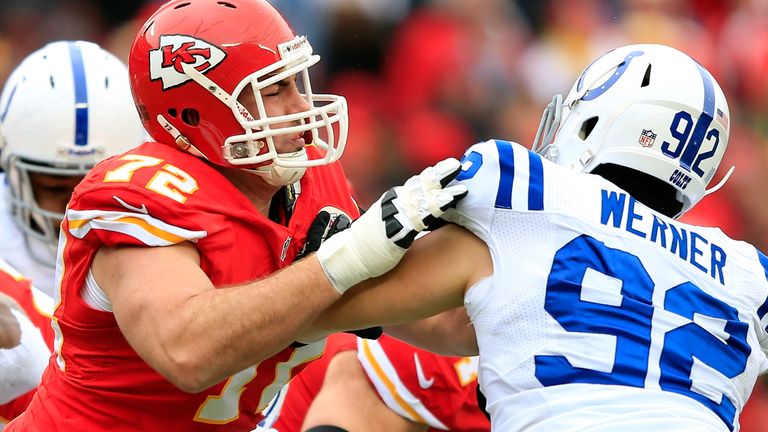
column 361, row 252
column 377, row 241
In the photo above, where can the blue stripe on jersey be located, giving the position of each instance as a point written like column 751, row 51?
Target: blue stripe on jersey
column 8, row 105
column 506, row 174
column 763, row 309
column 81, row 94
column 535, row 182
column 271, row 406
column 702, row 124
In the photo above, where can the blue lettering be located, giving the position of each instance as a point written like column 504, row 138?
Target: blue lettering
column 78, row 152
column 613, row 207
column 632, row 216
column 695, row 237
column 717, row 262
column 679, row 242
column 612, row 214
column 658, row 234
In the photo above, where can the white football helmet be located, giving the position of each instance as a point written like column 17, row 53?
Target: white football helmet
column 64, row 108
column 650, row 108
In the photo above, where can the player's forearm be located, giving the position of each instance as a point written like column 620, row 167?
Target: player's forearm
column 368, row 304
column 449, row 333
column 220, row 332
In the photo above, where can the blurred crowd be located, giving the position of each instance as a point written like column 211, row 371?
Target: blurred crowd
column 427, row 78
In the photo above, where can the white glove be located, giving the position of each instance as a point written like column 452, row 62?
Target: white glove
column 377, row 241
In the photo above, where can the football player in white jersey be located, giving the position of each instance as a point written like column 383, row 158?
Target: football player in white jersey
column 65, row 107
column 593, row 308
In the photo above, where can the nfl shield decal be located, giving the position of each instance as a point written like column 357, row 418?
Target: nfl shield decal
column 165, row 62
column 647, row 137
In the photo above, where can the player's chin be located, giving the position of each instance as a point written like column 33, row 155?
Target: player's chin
column 290, row 143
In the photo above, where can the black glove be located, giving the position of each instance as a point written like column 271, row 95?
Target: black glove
column 322, row 228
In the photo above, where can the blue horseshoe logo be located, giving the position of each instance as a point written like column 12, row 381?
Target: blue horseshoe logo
column 596, row 92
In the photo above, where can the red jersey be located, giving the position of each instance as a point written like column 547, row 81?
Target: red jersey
column 423, row 387
column 155, row 195
column 38, row 307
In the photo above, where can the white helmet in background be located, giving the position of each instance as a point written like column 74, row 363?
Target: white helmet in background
column 65, row 107
column 650, row 108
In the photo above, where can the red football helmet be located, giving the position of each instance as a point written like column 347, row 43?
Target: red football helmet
column 191, row 61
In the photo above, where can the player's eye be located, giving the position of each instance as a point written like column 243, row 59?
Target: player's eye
column 274, row 89
column 56, row 190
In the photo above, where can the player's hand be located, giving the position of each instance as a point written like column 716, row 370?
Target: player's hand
column 10, row 332
column 326, row 224
column 377, row 241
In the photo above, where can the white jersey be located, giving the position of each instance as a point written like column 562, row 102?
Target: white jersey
column 601, row 314
column 14, row 248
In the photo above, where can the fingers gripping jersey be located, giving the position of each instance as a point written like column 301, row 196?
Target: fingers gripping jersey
column 152, row 196
column 418, row 385
column 602, row 314
column 38, row 307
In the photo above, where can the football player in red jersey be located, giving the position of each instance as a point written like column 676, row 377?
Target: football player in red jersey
column 382, row 384
column 179, row 304
column 22, row 363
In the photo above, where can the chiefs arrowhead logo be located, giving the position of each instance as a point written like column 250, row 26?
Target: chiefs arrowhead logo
column 165, row 62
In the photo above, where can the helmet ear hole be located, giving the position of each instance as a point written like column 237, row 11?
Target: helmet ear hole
column 190, row 116
column 172, row 112
column 646, row 77
column 587, row 127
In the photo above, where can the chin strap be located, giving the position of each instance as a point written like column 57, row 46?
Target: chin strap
column 277, row 175
column 178, row 138
column 721, row 183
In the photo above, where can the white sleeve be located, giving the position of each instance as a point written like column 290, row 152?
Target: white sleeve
column 22, row 366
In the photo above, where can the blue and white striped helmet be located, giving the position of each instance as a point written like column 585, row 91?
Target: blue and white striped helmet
column 65, row 107
column 648, row 107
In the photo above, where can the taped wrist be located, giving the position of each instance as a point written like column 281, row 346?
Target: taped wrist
column 361, row 252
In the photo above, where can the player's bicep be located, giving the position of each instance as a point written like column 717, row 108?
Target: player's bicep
column 144, row 287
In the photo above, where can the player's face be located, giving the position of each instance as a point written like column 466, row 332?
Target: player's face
column 281, row 98
column 53, row 192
